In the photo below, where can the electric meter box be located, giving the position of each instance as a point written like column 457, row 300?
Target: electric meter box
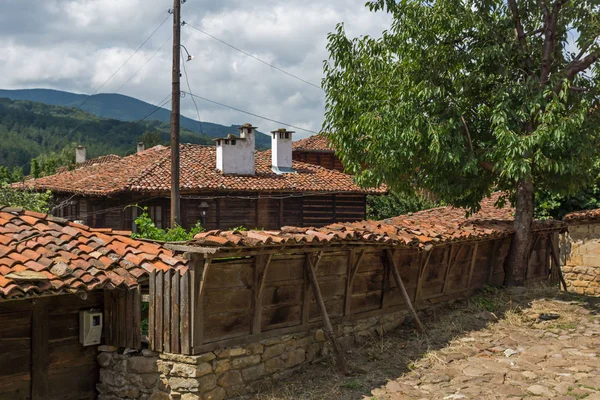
column 90, row 327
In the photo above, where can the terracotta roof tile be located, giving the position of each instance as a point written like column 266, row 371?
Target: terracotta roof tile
column 55, row 260
column 150, row 171
column 421, row 229
column 317, row 143
column 582, row 216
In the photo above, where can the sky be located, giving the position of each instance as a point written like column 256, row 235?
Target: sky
column 76, row 45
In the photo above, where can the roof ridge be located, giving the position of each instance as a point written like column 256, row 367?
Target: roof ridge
column 153, row 165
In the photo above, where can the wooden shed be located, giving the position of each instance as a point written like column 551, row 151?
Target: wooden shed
column 51, row 270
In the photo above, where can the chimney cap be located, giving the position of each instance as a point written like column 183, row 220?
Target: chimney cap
column 282, row 130
column 80, row 146
column 247, row 126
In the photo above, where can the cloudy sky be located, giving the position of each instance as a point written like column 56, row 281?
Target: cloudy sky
column 76, row 45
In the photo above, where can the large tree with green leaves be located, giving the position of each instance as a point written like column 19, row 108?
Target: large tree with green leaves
column 466, row 97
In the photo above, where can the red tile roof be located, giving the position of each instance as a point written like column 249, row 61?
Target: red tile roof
column 150, row 171
column 313, row 143
column 42, row 255
column 93, row 161
column 422, row 230
column 583, row 216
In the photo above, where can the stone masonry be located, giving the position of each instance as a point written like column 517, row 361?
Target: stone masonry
column 226, row 372
column 580, row 253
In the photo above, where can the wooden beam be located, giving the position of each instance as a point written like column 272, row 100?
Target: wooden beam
column 554, row 255
column 137, row 317
column 353, row 265
column 392, row 263
column 422, row 269
column 167, row 312
column 260, row 274
column 158, row 319
column 450, row 265
column 535, row 243
column 39, row 352
column 185, row 293
column 191, row 249
column 328, row 327
column 152, row 310
column 472, row 266
column 175, row 313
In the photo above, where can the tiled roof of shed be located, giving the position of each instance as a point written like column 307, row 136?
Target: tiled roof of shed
column 150, row 171
column 316, row 142
column 583, row 216
column 42, row 255
column 93, row 161
column 420, row 230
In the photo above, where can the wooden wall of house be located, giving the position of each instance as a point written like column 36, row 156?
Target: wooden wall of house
column 248, row 296
column 40, row 353
column 324, row 159
column 222, row 211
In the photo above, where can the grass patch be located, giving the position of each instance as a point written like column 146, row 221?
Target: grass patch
column 353, row 384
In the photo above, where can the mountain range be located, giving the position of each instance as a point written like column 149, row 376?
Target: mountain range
column 123, row 108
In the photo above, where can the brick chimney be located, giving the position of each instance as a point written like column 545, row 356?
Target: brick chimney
column 281, row 151
column 140, row 147
column 235, row 155
column 80, row 154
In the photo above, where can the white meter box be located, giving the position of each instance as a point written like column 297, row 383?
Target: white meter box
column 90, row 327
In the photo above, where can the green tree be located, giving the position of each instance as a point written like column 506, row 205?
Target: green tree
column 151, row 138
column 465, row 97
column 392, row 205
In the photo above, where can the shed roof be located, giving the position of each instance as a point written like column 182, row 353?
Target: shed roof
column 583, row 216
column 418, row 230
column 43, row 255
column 150, row 171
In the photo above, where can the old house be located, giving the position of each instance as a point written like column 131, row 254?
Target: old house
column 317, row 151
column 225, row 186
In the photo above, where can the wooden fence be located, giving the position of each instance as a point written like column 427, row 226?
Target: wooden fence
column 248, row 295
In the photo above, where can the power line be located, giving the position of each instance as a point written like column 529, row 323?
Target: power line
column 146, row 63
column 252, row 114
column 80, row 105
column 253, row 56
column 157, row 107
column 193, row 100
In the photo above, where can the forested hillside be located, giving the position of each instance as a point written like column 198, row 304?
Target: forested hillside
column 28, row 129
column 124, row 108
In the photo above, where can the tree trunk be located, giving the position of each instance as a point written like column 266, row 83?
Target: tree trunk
column 520, row 248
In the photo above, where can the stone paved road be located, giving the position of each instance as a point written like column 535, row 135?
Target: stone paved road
column 514, row 358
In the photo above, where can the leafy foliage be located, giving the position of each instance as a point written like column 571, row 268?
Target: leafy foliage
column 392, row 205
column 47, row 163
column 26, row 199
column 147, row 229
column 450, row 100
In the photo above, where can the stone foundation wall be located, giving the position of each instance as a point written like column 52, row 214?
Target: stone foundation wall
column 580, row 258
column 227, row 372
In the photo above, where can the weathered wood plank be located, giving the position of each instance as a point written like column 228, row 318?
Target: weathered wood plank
column 137, row 318
column 128, row 320
column 167, row 312
column 186, row 339
column 472, row 266
column 39, row 353
column 424, row 262
column 152, row 311
column 313, row 265
column 405, row 296
column 354, row 260
column 554, row 255
column 260, row 270
column 159, row 319
column 175, row 313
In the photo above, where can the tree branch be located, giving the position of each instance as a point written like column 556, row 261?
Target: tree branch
column 550, row 23
column 466, row 130
column 514, row 8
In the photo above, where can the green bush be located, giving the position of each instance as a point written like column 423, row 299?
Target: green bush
column 147, row 229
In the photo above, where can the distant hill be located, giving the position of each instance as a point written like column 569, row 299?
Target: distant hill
column 124, row 108
column 28, row 129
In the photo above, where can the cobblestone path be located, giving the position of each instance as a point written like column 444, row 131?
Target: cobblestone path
column 519, row 356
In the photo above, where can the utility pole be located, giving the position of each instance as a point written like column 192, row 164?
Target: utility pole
column 175, row 110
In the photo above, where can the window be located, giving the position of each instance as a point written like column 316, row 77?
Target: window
column 68, row 211
column 155, row 213
column 233, row 142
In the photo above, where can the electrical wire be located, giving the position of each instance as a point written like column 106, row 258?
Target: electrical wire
column 252, row 56
column 250, row 113
column 157, row 107
column 190, row 89
column 146, row 63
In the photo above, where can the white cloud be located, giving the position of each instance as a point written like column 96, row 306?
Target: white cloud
column 75, row 45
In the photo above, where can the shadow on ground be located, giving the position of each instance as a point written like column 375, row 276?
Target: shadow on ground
column 383, row 358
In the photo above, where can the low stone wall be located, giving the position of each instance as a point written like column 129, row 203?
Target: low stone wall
column 580, row 258
column 226, row 372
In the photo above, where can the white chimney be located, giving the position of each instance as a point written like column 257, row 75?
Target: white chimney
column 281, row 151
column 80, row 154
column 235, row 155
column 140, row 147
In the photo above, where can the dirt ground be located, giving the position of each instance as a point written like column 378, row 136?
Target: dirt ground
column 493, row 346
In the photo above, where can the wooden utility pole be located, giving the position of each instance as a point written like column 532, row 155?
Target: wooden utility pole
column 175, row 110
